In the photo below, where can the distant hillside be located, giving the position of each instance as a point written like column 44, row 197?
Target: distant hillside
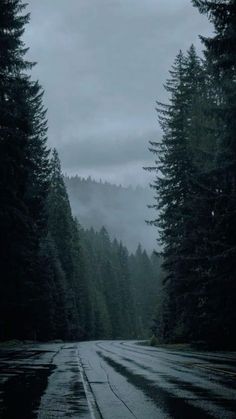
column 121, row 210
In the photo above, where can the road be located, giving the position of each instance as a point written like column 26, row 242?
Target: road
column 115, row 380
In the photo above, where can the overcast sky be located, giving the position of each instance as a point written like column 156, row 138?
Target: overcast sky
column 102, row 64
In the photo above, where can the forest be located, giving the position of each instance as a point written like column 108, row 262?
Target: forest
column 195, row 195
column 63, row 280
column 122, row 210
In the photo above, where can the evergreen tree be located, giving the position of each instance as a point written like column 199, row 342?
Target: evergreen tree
column 110, row 302
column 145, row 277
column 23, row 176
column 64, row 233
column 220, row 53
column 52, row 318
column 185, row 192
column 127, row 313
column 196, row 188
column 173, row 187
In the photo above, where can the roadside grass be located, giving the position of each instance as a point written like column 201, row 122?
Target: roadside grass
column 153, row 342
column 11, row 343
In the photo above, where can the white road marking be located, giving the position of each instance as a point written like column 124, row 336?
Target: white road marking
column 92, row 405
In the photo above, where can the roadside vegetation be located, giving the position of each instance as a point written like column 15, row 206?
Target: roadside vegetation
column 62, row 281
column 195, row 194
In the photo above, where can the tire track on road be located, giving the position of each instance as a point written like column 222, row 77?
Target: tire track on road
column 115, row 393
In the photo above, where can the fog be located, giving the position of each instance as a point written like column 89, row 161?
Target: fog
column 122, row 211
column 102, row 65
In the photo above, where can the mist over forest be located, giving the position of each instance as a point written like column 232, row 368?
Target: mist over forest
column 70, row 245
column 110, row 295
column 123, row 211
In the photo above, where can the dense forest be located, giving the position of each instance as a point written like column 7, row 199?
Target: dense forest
column 122, row 210
column 195, row 194
column 58, row 280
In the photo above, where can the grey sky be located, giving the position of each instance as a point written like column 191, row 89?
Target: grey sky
column 102, row 64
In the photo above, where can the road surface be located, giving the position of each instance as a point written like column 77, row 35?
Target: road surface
column 115, row 380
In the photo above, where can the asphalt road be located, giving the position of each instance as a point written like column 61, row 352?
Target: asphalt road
column 115, row 380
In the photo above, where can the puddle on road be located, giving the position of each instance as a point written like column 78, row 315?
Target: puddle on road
column 25, row 379
column 22, row 392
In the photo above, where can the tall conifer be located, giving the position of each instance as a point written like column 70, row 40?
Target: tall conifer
column 23, row 176
column 220, row 53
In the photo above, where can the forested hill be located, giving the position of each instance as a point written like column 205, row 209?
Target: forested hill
column 121, row 210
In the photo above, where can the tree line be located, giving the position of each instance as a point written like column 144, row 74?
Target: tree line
column 122, row 210
column 195, row 188
column 58, row 280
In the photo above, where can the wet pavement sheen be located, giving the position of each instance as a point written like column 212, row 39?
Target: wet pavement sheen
column 115, row 380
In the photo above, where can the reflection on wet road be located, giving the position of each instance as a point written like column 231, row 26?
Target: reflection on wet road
column 41, row 381
column 130, row 381
column 114, row 380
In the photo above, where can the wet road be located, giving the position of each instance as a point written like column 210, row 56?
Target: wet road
column 114, row 380
column 131, row 381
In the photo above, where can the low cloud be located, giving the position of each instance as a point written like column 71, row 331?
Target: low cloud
column 102, row 64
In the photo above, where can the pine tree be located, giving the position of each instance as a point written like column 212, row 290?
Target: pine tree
column 64, row 233
column 127, row 311
column 184, row 197
column 173, row 187
column 145, row 279
column 220, row 53
column 110, row 304
column 23, row 175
